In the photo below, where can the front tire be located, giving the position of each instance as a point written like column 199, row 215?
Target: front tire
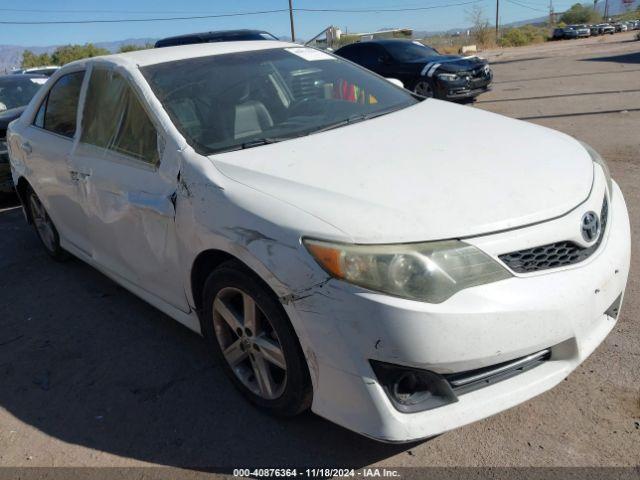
column 251, row 336
column 45, row 229
column 424, row 88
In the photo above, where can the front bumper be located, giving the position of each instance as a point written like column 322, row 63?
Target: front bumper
column 342, row 327
column 462, row 88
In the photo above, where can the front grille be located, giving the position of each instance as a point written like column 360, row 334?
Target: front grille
column 554, row 255
column 465, row 382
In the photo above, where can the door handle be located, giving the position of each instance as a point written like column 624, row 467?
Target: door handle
column 27, row 148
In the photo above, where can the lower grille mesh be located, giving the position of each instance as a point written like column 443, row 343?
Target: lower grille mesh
column 554, row 255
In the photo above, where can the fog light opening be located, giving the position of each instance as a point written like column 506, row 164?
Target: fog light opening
column 409, row 390
column 413, row 390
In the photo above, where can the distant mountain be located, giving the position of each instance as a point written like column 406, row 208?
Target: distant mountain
column 11, row 55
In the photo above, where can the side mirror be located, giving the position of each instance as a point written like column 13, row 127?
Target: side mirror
column 396, row 82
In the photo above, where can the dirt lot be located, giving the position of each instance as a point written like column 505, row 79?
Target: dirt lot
column 92, row 376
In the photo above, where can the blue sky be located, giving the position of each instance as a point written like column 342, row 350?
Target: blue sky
column 307, row 23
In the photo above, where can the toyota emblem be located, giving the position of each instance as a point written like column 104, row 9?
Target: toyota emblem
column 590, row 226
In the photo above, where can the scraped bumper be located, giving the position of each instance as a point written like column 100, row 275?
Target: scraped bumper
column 345, row 327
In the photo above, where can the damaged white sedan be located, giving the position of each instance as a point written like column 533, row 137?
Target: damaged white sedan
column 400, row 266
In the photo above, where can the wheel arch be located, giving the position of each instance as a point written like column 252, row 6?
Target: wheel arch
column 208, row 260
column 22, row 189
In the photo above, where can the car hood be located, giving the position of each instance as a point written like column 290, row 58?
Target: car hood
column 8, row 116
column 432, row 171
column 450, row 63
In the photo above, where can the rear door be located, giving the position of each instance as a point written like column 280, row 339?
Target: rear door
column 47, row 147
column 129, row 187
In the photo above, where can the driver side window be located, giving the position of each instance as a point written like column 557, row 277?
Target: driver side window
column 114, row 118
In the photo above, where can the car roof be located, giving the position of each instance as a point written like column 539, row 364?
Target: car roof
column 152, row 56
column 384, row 41
column 23, row 75
column 208, row 36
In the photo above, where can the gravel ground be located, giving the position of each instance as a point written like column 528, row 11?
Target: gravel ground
column 92, row 376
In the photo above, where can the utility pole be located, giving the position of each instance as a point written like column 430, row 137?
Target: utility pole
column 551, row 15
column 293, row 32
column 606, row 11
column 497, row 17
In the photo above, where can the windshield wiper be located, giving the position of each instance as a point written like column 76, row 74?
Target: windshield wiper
column 250, row 144
column 342, row 123
column 259, row 142
column 269, row 140
column 355, row 119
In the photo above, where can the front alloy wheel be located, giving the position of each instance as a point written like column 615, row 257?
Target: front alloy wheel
column 424, row 88
column 249, row 343
column 251, row 336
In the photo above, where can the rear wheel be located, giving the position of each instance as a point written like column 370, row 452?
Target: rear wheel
column 253, row 339
column 45, row 228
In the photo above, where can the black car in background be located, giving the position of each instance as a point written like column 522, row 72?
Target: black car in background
column 16, row 91
column 219, row 36
column 421, row 68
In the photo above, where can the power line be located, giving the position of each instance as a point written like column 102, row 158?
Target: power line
column 383, row 10
column 131, row 12
column 406, row 8
column 236, row 14
column 123, row 20
column 526, row 6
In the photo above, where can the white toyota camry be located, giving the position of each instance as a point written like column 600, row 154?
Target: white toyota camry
column 401, row 266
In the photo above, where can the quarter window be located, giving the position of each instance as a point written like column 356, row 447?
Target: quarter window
column 114, row 118
column 39, row 120
column 58, row 112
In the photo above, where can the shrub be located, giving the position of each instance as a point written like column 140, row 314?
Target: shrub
column 517, row 37
column 514, row 37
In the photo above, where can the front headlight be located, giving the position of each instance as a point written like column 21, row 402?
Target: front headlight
column 430, row 272
column 595, row 156
column 447, row 77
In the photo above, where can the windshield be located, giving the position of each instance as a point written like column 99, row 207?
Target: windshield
column 240, row 100
column 17, row 92
column 409, row 51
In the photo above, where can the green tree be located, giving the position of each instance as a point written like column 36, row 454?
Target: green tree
column 31, row 60
column 132, row 48
column 578, row 13
column 70, row 53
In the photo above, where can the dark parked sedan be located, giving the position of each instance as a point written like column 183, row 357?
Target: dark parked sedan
column 218, row 36
column 421, row 68
column 15, row 93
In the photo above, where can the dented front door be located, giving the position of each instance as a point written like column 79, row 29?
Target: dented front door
column 129, row 187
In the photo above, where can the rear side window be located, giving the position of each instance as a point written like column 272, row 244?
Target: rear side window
column 58, row 112
column 114, row 118
column 365, row 55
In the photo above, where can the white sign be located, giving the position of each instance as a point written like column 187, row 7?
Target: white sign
column 309, row 54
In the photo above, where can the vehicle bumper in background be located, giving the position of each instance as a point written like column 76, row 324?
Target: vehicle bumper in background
column 343, row 328
column 460, row 89
column 467, row 93
column 6, row 182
